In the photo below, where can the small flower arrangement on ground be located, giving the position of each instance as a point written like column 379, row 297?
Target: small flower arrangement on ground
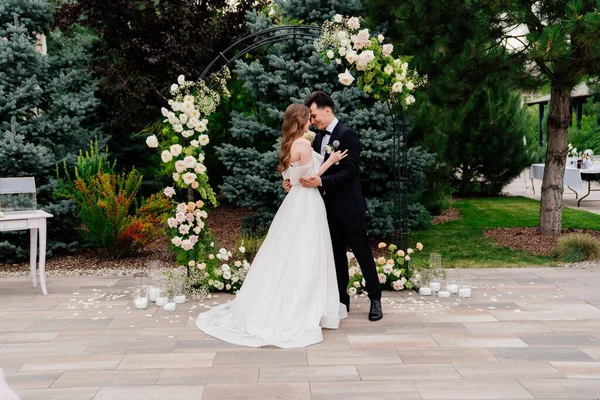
column 220, row 270
column 393, row 271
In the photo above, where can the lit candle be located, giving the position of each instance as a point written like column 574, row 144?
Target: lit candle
column 435, row 286
column 443, row 293
column 170, row 307
column 452, row 288
column 425, row 291
column 161, row 301
column 180, row 299
column 141, row 303
column 464, row 292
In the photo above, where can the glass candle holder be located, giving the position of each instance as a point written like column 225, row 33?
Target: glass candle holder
column 140, row 290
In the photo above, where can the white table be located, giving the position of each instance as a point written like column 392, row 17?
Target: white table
column 35, row 221
column 573, row 179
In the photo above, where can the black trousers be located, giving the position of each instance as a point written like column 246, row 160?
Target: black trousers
column 352, row 231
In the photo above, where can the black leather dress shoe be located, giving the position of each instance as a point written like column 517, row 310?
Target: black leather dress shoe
column 375, row 314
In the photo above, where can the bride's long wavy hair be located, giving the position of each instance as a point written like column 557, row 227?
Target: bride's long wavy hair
column 294, row 121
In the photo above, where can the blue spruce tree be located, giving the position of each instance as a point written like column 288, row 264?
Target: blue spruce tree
column 288, row 72
column 47, row 106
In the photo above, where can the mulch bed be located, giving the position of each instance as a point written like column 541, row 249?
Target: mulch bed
column 451, row 214
column 529, row 240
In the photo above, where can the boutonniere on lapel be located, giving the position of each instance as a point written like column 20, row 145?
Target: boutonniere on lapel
column 329, row 148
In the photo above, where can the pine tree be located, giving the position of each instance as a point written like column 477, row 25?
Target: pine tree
column 47, row 103
column 475, row 125
column 553, row 43
column 288, row 73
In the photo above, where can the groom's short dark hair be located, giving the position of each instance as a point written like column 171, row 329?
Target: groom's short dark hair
column 321, row 99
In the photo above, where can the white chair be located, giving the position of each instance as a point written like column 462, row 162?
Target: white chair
column 18, row 211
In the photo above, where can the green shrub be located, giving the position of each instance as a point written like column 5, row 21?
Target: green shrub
column 577, row 247
column 108, row 209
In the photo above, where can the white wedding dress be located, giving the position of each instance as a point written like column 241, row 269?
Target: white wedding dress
column 290, row 291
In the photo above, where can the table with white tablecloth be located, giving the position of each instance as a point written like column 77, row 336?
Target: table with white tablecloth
column 573, row 179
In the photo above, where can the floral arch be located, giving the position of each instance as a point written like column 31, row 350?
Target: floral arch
column 184, row 132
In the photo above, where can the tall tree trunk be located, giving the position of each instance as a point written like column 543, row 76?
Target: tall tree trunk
column 556, row 155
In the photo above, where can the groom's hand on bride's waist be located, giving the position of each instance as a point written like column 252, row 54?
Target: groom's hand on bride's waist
column 312, row 182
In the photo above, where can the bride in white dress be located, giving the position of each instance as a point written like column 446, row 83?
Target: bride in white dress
column 290, row 292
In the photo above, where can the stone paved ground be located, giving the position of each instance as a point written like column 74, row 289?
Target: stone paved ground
column 527, row 333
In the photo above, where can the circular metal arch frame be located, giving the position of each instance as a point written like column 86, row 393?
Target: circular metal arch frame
column 278, row 34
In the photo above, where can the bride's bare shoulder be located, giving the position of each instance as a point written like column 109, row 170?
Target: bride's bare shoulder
column 302, row 142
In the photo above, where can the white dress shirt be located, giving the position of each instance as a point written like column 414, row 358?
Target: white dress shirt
column 327, row 136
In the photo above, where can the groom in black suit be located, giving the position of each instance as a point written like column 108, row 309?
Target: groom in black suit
column 344, row 201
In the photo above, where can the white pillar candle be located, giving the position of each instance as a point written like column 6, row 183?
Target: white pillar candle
column 161, row 301
column 153, row 293
column 452, row 288
column 435, row 286
column 180, row 299
column 425, row 291
column 141, row 303
column 170, row 307
column 464, row 292
column 443, row 293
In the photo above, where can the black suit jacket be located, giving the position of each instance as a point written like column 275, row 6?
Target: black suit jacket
column 341, row 187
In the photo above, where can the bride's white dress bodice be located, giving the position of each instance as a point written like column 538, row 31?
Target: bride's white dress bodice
column 296, row 171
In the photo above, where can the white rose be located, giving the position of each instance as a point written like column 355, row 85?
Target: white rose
column 410, row 100
column 164, row 112
column 397, row 87
column 187, row 134
column 337, row 18
column 201, row 157
column 166, row 156
column 175, row 175
column 338, row 61
column 176, row 241
column 203, row 140
column 352, row 291
column 330, row 54
column 353, row 23
column 189, row 162
column 172, row 222
column 169, row 191
column 351, row 56
column 176, row 150
column 387, row 49
column 195, row 143
column 200, row 168
column 178, row 128
column 342, row 51
column 180, row 166
column 174, row 87
column 228, row 287
column 201, row 127
column 361, row 66
column 410, row 85
column 346, row 78
column 172, row 118
column 363, row 35
column 242, row 249
column 188, row 178
column 187, row 245
column 184, row 229
column 356, row 284
column 380, row 38
column 181, row 79
column 193, row 123
column 152, row 141
column 183, row 118
column 388, row 69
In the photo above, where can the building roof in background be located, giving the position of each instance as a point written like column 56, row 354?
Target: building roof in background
column 579, row 91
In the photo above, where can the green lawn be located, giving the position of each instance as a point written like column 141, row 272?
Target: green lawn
column 462, row 244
